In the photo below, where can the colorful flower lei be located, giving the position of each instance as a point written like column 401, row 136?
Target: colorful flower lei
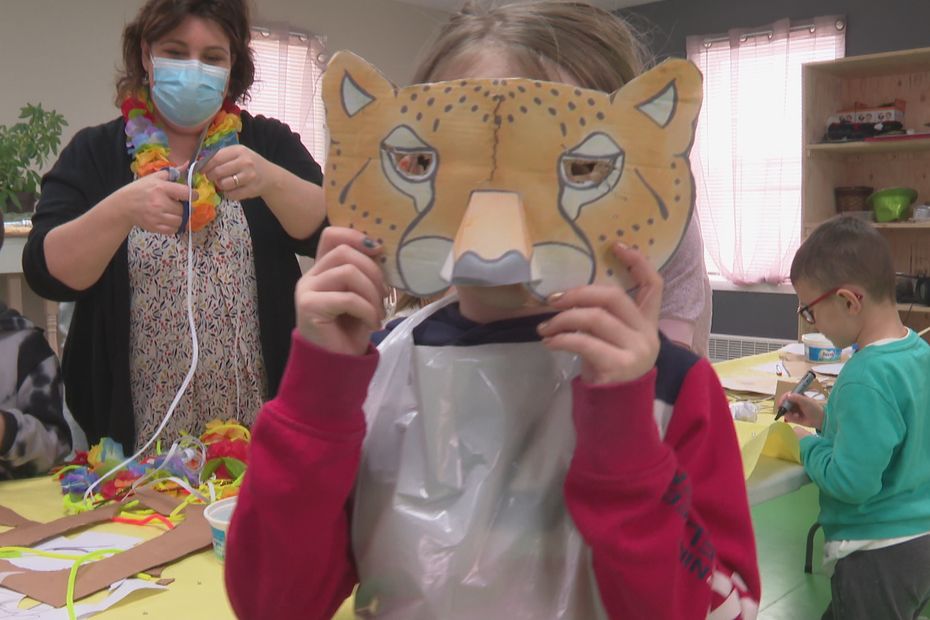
column 147, row 144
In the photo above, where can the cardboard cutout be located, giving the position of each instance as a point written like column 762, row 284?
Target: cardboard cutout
column 510, row 181
column 50, row 587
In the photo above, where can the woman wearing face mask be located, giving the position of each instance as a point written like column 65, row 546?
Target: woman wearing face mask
column 105, row 232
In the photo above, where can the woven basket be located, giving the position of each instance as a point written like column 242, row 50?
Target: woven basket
column 852, row 198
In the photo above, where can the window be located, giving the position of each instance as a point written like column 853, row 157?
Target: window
column 747, row 152
column 288, row 72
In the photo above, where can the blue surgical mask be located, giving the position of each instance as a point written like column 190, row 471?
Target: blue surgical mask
column 187, row 93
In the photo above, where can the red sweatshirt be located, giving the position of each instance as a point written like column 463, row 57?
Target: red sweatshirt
column 667, row 520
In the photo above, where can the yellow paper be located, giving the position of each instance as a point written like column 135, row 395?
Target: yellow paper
column 773, row 439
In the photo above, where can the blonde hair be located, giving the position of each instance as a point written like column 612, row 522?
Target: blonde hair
column 598, row 49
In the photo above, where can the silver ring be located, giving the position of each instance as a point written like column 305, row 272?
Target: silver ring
column 236, row 180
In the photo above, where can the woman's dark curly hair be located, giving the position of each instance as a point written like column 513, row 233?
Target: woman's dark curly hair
column 159, row 17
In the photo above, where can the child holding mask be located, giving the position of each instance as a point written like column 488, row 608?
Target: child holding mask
column 555, row 456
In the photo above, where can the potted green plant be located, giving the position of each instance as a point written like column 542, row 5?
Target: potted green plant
column 24, row 148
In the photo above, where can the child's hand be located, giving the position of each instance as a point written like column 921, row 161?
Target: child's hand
column 339, row 300
column 806, row 410
column 616, row 336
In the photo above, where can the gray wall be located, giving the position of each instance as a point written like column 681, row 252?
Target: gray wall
column 872, row 27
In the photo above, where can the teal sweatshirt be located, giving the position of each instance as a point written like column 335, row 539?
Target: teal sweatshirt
column 872, row 458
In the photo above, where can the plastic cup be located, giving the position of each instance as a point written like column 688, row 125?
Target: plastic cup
column 818, row 348
column 218, row 515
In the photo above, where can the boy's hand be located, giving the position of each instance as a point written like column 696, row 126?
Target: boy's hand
column 806, row 410
column 339, row 300
column 616, row 336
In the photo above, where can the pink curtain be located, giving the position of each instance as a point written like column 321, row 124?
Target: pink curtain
column 747, row 153
column 289, row 68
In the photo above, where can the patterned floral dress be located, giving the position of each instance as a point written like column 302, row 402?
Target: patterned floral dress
column 229, row 381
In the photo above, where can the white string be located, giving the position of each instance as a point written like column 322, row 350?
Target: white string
column 236, row 342
column 238, row 369
column 195, row 350
column 179, row 445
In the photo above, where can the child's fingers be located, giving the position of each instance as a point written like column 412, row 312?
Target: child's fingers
column 597, row 353
column 334, row 236
column 614, row 299
column 349, row 255
column 596, row 321
column 349, row 278
column 327, row 307
column 648, row 280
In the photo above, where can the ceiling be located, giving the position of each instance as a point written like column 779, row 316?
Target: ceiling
column 454, row 5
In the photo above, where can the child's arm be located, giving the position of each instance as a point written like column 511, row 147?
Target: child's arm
column 850, row 463
column 288, row 554
column 668, row 522
column 34, row 435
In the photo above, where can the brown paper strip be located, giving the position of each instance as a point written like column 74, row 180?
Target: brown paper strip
column 35, row 533
column 50, row 587
column 11, row 518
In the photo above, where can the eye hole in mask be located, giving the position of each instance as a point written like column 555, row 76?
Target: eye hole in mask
column 413, row 165
column 586, row 172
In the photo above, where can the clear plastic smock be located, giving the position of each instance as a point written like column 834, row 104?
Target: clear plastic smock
column 459, row 510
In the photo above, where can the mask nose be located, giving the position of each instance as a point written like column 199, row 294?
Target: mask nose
column 492, row 246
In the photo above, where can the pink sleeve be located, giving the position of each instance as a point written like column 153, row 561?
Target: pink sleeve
column 288, row 552
column 668, row 521
column 687, row 298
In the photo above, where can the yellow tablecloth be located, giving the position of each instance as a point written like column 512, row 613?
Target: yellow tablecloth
column 198, row 590
column 763, row 437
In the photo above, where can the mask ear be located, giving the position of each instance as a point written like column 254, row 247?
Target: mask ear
column 668, row 98
column 350, row 86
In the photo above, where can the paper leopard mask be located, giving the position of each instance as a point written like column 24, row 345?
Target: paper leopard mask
column 510, row 181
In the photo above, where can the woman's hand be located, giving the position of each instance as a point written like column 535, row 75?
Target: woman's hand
column 616, row 336
column 806, row 410
column 241, row 173
column 153, row 203
column 339, row 300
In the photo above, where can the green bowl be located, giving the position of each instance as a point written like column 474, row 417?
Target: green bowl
column 892, row 203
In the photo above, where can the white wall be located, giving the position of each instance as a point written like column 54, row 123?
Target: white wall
column 64, row 53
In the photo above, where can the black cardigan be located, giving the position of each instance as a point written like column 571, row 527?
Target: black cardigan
column 95, row 364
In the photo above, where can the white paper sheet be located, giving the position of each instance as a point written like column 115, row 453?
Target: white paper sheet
column 118, row 591
column 829, row 369
column 83, row 543
column 9, row 599
column 796, row 348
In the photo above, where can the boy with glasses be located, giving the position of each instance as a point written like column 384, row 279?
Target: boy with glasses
column 870, row 455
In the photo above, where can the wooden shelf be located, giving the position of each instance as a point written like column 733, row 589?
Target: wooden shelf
column 874, row 79
column 914, row 308
column 872, row 65
column 903, row 225
column 865, row 148
column 923, row 225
